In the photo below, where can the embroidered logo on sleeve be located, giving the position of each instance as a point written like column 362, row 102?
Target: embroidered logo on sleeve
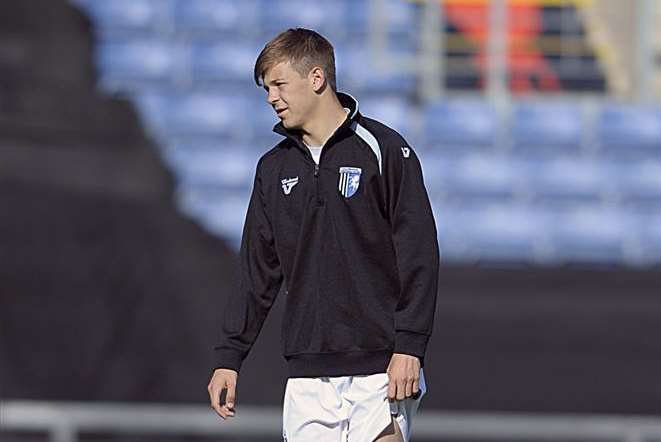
column 288, row 184
column 349, row 180
column 406, row 151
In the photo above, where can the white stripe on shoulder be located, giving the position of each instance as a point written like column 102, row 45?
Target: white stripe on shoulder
column 369, row 139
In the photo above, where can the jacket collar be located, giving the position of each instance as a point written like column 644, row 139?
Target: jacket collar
column 346, row 100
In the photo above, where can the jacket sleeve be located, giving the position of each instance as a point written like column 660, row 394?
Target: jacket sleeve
column 416, row 248
column 260, row 279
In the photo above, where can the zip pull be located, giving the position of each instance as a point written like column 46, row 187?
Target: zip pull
column 316, row 169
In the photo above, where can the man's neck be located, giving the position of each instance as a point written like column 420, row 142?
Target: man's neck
column 321, row 127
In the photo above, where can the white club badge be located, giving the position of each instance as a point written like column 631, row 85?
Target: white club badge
column 349, row 180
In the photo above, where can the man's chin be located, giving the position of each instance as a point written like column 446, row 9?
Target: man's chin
column 290, row 125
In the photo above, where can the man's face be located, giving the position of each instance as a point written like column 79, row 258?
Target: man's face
column 291, row 95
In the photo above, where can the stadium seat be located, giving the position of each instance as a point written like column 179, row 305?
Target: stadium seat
column 359, row 74
column 571, row 179
column 328, row 18
column 629, row 130
column 401, row 18
column 201, row 114
column 394, row 111
column 227, row 17
column 461, row 124
column 220, row 212
column 477, row 176
column 647, row 248
column 591, row 233
column 639, row 182
column 228, row 166
column 224, row 61
column 547, row 126
column 139, row 64
column 493, row 232
column 128, row 15
column 152, row 106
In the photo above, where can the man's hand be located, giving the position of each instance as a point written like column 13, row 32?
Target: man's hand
column 223, row 378
column 403, row 376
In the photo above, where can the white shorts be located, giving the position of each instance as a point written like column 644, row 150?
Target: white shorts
column 344, row 408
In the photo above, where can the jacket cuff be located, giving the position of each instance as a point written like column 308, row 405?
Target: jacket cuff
column 411, row 343
column 227, row 358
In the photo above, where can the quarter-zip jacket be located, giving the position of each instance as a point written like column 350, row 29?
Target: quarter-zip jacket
column 354, row 241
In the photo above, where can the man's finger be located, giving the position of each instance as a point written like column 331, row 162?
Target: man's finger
column 409, row 387
column 214, row 397
column 226, row 411
column 231, row 396
column 392, row 389
column 416, row 386
column 215, row 404
column 401, row 389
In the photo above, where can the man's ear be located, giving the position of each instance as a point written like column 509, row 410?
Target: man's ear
column 318, row 78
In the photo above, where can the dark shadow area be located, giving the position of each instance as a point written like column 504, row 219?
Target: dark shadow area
column 106, row 291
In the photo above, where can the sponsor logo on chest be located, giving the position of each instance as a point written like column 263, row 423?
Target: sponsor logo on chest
column 288, row 184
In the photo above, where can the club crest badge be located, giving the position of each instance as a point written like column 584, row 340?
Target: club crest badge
column 288, row 184
column 349, row 180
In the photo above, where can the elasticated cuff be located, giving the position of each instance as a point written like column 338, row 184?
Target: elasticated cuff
column 227, row 358
column 411, row 343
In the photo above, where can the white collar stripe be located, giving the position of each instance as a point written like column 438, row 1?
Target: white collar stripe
column 369, row 139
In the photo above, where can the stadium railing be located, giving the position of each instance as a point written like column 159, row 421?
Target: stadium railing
column 64, row 421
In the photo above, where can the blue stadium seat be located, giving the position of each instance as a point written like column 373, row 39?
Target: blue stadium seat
column 639, row 182
column 263, row 118
column 128, row 15
column 462, row 124
column 476, row 176
column 552, row 126
column 138, row 64
column 358, row 74
column 220, row 212
column 401, row 17
column 493, row 232
column 328, row 18
column 152, row 107
column 227, row 167
column 647, row 249
column 591, row 233
column 224, row 61
column 231, row 17
column 571, row 179
column 630, row 130
column 394, row 111
column 199, row 114
column 210, row 114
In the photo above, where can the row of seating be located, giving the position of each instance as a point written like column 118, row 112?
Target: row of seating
column 154, row 64
column 458, row 125
column 344, row 18
column 471, row 177
column 549, row 234
column 492, row 232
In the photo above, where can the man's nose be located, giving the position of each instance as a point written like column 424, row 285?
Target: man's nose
column 272, row 98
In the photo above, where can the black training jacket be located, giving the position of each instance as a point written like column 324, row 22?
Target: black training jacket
column 354, row 241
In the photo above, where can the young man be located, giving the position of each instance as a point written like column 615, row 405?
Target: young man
column 340, row 214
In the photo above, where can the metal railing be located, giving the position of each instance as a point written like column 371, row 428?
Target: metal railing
column 64, row 421
column 431, row 64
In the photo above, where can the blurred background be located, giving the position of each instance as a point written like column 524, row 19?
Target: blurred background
column 129, row 135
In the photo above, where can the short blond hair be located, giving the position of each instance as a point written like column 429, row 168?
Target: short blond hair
column 303, row 48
